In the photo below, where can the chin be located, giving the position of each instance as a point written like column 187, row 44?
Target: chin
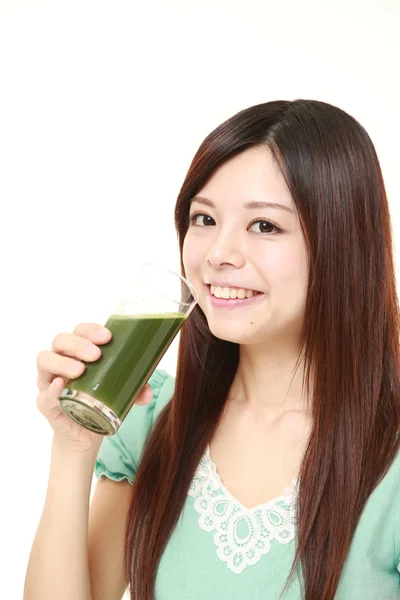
column 229, row 333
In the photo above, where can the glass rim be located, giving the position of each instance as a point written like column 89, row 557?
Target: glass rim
column 185, row 281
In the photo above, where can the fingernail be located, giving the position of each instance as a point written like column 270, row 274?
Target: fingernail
column 76, row 367
column 55, row 385
column 92, row 351
column 102, row 333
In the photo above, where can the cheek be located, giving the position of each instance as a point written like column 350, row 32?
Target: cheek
column 277, row 263
column 190, row 256
column 284, row 265
column 291, row 275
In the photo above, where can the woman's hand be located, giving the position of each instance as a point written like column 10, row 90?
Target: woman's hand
column 65, row 361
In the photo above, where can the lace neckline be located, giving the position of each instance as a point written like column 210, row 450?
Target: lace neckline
column 242, row 535
column 288, row 493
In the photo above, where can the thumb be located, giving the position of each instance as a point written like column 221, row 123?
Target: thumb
column 145, row 396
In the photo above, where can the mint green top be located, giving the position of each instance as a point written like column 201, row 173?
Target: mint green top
column 219, row 549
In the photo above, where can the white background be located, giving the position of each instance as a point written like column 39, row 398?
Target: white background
column 102, row 106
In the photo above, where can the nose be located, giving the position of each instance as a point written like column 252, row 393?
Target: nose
column 226, row 251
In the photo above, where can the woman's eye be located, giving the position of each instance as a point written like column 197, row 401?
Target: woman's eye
column 263, row 226
column 201, row 220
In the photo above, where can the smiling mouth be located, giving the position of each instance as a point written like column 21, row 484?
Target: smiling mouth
column 232, row 293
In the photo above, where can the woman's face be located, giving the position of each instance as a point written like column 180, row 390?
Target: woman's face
column 238, row 246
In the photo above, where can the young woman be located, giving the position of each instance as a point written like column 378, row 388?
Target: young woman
column 269, row 467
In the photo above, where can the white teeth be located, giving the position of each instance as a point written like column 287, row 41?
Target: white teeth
column 226, row 292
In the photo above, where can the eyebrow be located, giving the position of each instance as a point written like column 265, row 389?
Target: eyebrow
column 276, row 205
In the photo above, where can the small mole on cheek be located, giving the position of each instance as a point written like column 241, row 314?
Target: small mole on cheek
column 251, row 323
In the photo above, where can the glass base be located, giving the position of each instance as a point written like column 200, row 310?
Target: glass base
column 88, row 412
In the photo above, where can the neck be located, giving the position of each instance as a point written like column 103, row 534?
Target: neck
column 266, row 380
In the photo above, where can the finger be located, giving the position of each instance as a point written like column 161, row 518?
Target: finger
column 145, row 396
column 43, row 383
column 57, row 386
column 94, row 332
column 47, row 399
column 50, row 364
column 76, row 346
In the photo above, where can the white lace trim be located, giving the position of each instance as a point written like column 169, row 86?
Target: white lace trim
column 220, row 512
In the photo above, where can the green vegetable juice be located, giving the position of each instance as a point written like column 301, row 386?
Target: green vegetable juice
column 128, row 359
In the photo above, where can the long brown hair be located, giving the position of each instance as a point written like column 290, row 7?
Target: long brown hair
column 349, row 343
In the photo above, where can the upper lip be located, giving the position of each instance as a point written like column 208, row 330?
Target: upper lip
column 223, row 284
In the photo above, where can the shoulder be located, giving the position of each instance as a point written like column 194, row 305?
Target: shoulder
column 163, row 386
column 383, row 505
column 119, row 454
column 377, row 537
column 388, row 488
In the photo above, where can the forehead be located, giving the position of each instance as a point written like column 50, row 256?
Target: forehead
column 251, row 176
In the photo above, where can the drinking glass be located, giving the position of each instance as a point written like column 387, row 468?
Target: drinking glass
column 150, row 314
